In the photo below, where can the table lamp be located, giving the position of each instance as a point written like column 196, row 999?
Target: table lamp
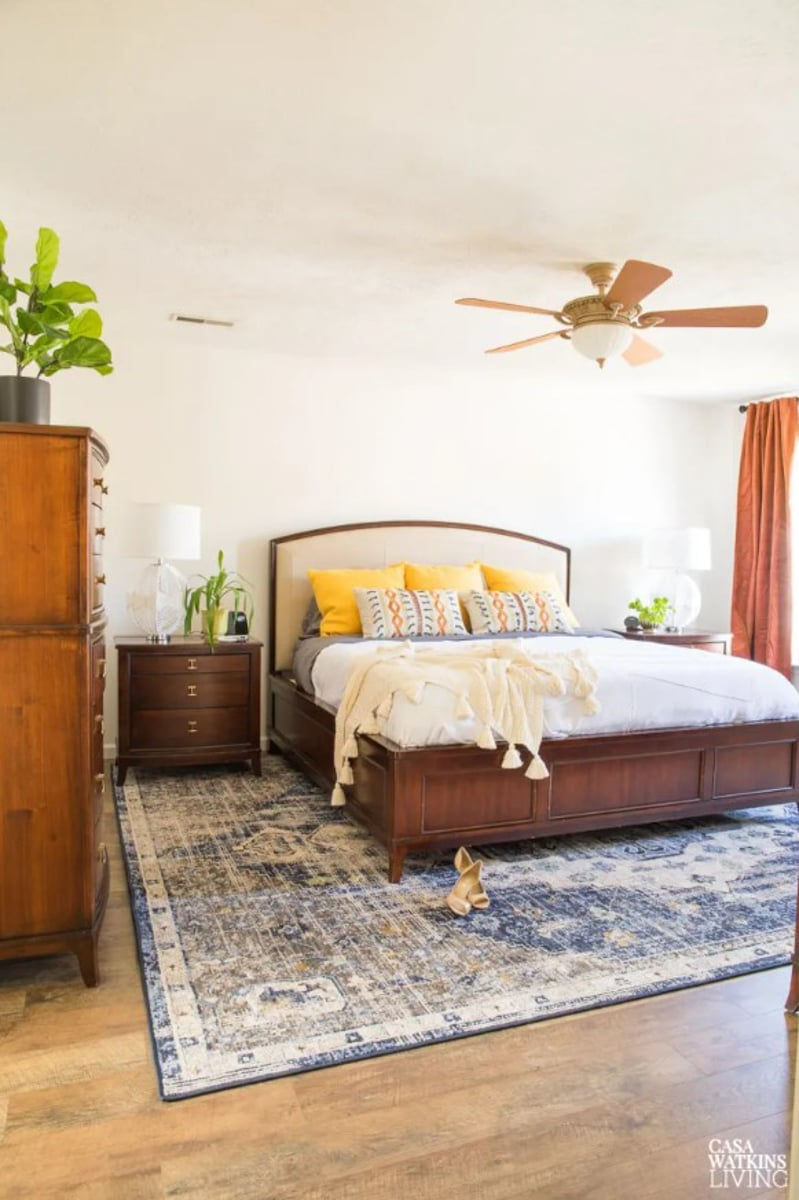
column 680, row 550
column 160, row 532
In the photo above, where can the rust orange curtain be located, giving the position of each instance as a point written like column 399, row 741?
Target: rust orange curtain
column 761, row 584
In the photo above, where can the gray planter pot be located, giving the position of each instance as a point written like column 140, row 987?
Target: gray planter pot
column 24, row 400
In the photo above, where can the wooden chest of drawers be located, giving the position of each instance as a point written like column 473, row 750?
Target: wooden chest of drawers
column 181, row 703
column 53, row 865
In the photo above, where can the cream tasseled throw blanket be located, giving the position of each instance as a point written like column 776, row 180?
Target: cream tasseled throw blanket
column 501, row 684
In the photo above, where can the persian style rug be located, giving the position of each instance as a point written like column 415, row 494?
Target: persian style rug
column 271, row 942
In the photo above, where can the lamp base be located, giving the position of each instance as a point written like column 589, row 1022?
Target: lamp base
column 156, row 606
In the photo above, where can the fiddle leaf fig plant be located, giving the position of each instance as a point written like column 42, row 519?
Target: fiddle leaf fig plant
column 651, row 615
column 223, row 591
column 45, row 329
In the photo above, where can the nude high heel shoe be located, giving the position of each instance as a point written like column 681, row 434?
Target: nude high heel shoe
column 458, row 899
column 477, row 897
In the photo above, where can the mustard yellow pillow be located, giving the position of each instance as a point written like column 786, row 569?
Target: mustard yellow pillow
column 500, row 580
column 336, row 599
column 456, row 579
column 422, row 578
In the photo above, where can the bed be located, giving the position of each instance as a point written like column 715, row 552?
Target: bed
column 437, row 797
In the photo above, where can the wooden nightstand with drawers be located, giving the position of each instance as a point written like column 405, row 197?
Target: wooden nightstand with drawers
column 694, row 639
column 183, row 704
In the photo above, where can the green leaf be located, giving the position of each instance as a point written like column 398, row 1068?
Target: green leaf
column 46, row 259
column 84, row 352
column 28, row 323
column 3, row 236
column 9, row 349
column 86, row 324
column 104, row 369
column 22, row 286
column 8, row 320
column 8, row 291
column 76, row 293
column 53, row 314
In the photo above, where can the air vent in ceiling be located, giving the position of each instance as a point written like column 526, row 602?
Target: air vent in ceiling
column 189, row 320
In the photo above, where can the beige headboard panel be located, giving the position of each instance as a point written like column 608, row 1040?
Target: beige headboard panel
column 378, row 545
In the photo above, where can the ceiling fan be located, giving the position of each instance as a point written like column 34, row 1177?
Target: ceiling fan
column 607, row 323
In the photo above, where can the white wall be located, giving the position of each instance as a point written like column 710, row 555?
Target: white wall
column 270, row 445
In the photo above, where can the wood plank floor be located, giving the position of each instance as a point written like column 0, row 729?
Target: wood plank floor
column 617, row 1104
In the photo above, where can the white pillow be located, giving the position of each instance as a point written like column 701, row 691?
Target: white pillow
column 399, row 613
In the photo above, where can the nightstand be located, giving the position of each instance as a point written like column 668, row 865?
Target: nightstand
column 695, row 639
column 181, row 704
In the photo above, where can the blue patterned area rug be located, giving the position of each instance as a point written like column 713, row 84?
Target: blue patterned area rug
column 271, row 942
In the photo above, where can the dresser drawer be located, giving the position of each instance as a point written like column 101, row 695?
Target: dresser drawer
column 197, row 663
column 170, row 728
column 190, row 690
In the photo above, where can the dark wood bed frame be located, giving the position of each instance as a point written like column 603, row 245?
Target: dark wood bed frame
column 442, row 797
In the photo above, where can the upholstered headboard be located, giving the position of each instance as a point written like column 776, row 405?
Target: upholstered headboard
column 379, row 543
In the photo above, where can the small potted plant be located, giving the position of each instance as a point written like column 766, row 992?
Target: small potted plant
column 214, row 599
column 47, row 332
column 651, row 615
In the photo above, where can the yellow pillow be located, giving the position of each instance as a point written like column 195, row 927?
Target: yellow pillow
column 421, row 578
column 334, row 594
column 500, row 580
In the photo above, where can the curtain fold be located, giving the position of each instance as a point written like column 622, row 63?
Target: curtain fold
column 761, row 586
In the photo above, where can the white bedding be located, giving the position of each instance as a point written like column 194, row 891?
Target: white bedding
column 641, row 686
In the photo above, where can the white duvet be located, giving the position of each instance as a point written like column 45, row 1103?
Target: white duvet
column 641, row 686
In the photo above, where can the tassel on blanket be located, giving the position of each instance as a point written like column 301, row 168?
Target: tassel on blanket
column 485, row 739
column 350, row 749
column 512, row 758
column 592, row 705
column 463, row 709
column 345, row 774
column 383, row 709
column 338, row 799
column 370, row 724
column 537, row 768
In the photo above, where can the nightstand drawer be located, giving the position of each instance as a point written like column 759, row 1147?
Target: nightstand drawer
column 198, row 663
column 168, row 728
column 189, row 690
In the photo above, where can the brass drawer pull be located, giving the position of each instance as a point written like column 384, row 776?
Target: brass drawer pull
column 100, row 723
column 98, row 579
column 102, row 668
column 100, row 780
column 191, row 664
column 102, row 853
column 191, row 689
column 191, row 726
column 100, row 531
column 99, row 482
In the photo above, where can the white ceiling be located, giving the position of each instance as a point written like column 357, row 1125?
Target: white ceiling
column 333, row 173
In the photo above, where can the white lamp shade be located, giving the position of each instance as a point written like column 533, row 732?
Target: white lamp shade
column 679, row 549
column 170, row 531
column 602, row 340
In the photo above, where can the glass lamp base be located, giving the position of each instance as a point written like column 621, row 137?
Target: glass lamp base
column 156, row 605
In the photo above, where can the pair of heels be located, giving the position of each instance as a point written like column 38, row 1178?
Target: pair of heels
column 468, row 892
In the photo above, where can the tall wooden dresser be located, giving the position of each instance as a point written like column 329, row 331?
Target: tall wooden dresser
column 53, row 866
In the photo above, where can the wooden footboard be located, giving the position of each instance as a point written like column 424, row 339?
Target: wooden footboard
column 445, row 796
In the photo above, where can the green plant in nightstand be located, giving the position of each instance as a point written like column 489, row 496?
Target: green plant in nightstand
column 210, row 599
column 653, row 614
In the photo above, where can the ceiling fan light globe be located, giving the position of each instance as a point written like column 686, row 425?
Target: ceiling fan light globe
column 601, row 339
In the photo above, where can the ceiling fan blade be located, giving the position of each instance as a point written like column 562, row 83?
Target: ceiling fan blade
column 639, row 352
column 544, row 337
column 545, row 312
column 748, row 316
column 634, row 281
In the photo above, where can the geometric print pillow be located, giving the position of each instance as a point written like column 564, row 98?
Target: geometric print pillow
column 515, row 612
column 398, row 613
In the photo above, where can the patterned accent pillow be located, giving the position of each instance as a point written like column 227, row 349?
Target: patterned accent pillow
column 398, row 613
column 516, row 612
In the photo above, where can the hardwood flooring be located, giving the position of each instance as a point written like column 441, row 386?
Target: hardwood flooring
column 616, row 1104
